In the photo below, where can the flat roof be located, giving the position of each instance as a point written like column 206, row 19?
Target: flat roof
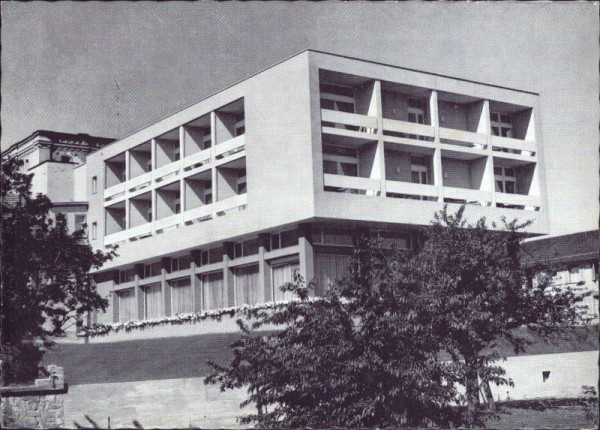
column 325, row 53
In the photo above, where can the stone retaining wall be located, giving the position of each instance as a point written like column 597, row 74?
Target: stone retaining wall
column 41, row 410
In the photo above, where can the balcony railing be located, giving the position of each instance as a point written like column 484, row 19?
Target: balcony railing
column 411, row 189
column 409, row 129
column 171, row 169
column 170, row 221
column 196, row 160
column 231, row 146
column 202, row 212
column 350, row 121
column 113, row 238
column 140, row 181
column 352, row 183
column 522, row 147
column 230, row 203
column 113, row 192
column 518, row 200
column 468, row 195
column 463, row 138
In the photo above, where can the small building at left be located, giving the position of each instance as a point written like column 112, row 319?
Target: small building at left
column 57, row 161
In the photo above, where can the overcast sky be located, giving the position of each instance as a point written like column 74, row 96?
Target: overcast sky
column 111, row 69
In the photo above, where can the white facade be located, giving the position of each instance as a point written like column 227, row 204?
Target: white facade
column 283, row 166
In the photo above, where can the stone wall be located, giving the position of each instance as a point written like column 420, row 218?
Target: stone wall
column 28, row 409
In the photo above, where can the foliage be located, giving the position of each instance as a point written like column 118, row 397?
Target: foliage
column 589, row 401
column 368, row 354
column 477, row 293
column 46, row 281
column 358, row 358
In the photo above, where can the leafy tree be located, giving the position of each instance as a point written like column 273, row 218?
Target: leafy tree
column 476, row 293
column 359, row 357
column 46, row 282
column 369, row 353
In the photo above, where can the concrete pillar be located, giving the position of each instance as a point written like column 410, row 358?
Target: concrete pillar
column 165, row 286
column 153, row 154
column 195, row 281
column 488, row 183
column 438, row 174
column 213, row 170
column 264, row 270
column 182, row 153
column 305, row 253
column 228, row 274
column 127, row 203
column 139, row 293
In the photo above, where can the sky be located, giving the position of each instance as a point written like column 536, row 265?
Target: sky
column 109, row 69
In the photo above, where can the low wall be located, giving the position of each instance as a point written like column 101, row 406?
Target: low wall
column 167, row 403
column 33, row 408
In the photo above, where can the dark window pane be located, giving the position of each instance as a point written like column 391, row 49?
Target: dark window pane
column 275, row 241
column 505, row 119
column 349, row 169
column 289, row 238
column 495, row 131
column 510, row 187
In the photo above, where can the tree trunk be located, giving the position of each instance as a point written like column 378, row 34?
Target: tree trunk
column 471, row 384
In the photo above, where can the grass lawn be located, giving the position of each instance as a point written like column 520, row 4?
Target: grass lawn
column 554, row 413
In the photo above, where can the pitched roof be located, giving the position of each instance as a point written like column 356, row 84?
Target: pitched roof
column 568, row 248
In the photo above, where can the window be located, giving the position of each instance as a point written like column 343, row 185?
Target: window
column 65, row 159
column 247, row 287
column 506, row 181
column 419, row 168
column 126, row 275
column 94, row 230
column 241, row 181
column 149, row 213
column 149, row 165
column 206, row 140
column 332, row 236
column 153, row 269
column 153, row 301
column 416, row 114
column 337, row 97
column 180, row 263
column 213, row 291
column 178, row 205
column 79, row 221
column 127, row 305
column 394, row 240
column 181, row 296
column 545, row 375
column 501, row 124
column 94, row 184
column 339, row 160
column 244, row 249
column 177, row 154
column 282, row 274
column 284, row 239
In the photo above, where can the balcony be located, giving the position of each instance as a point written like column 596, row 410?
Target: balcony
column 167, row 223
column 129, row 234
column 398, row 131
column 165, row 172
column 451, row 137
column 525, row 149
column 348, row 125
column 230, row 147
column 201, row 213
column 114, row 192
column 518, row 201
column 139, row 182
column 468, row 196
column 411, row 191
column 230, row 204
column 199, row 159
column 352, row 184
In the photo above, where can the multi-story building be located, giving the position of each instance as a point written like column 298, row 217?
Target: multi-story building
column 217, row 204
column 57, row 162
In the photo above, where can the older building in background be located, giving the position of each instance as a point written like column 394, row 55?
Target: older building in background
column 57, row 162
column 217, row 204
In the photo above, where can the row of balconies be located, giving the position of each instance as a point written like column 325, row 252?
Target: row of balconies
column 145, row 229
column 364, row 127
column 191, row 165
